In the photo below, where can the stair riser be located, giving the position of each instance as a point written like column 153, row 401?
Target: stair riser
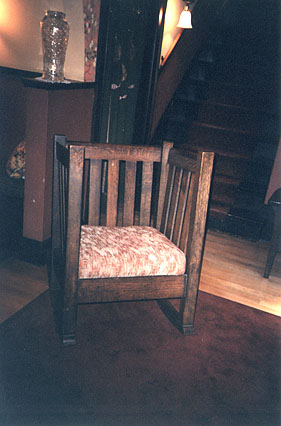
column 232, row 167
column 245, row 97
column 221, row 140
column 236, row 118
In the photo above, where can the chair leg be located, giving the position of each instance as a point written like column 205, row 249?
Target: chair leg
column 275, row 243
column 187, row 313
column 176, row 317
column 269, row 261
column 188, row 309
column 69, row 322
column 182, row 319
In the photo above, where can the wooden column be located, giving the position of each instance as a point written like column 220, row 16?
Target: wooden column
column 58, row 108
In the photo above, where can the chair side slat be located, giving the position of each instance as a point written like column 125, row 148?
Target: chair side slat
column 181, row 208
column 94, row 192
column 167, row 200
column 58, row 225
column 59, row 197
column 112, row 192
column 184, row 236
column 63, row 179
column 179, row 159
column 129, row 195
column 146, row 193
column 164, row 171
column 172, row 212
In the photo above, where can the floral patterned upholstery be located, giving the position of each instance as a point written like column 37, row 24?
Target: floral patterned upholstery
column 127, row 251
column 15, row 166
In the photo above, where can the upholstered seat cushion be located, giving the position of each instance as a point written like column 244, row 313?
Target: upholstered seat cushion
column 127, row 251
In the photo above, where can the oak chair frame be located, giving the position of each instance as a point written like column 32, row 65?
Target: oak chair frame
column 86, row 191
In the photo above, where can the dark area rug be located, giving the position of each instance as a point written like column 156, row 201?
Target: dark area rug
column 131, row 367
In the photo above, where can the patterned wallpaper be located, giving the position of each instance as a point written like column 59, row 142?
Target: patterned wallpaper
column 91, row 9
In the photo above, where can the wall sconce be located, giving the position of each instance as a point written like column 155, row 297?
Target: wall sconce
column 185, row 18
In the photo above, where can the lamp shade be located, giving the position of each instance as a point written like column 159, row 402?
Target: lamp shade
column 185, row 19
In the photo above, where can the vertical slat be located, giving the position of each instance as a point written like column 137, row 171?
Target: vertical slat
column 112, row 192
column 63, row 203
column 65, row 196
column 167, row 200
column 60, row 206
column 186, row 224
column 146, row 191
column 94, row 192
column 174, row 203
column 57, row 241
column 85, row 200
column 183, row 196
column 129, row 196
column 164, row 171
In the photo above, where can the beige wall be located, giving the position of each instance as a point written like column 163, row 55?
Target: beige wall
column 20, row 39
column 173, row 11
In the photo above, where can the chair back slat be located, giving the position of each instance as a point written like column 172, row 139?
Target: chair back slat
column 112, row 192
column 94, row 192
column 129, row 193
column 146, row 193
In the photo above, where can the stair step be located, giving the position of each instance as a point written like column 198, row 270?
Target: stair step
column 262, row 55
column 231, row 166
column 225, row 180
column 220, row 140
column 222, row 198
column 218, row 210
column 245, row 76
column 243, row 119
column 249, row 60
column 247, row 96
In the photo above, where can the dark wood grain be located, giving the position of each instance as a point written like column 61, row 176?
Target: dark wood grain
column 94, row 192
column 146, row 193
column 129, row 196
column 131, row 288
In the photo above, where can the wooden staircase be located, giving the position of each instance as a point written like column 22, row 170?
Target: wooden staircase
column 228, row 102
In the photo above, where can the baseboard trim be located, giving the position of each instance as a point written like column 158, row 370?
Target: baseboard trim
column 33, row 251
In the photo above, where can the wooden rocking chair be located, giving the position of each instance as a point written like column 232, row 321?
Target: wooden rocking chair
column 128, row 223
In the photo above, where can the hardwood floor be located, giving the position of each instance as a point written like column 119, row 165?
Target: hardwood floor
column 232, row 268
column 20, row 282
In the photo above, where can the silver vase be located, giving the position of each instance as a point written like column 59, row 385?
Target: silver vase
column 55, row 35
